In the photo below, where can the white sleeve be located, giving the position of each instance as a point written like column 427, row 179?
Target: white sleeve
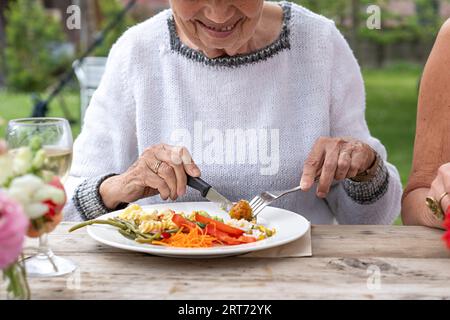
column 107, row 143
column 376, row 201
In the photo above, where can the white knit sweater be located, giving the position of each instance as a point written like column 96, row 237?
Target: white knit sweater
column 282, row 98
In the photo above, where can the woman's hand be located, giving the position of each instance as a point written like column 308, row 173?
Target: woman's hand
column 440, row 186
column 335, row 159
column 161, row 169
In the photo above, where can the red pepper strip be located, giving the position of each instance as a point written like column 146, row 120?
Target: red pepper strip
column 181, row 222
column 234, row 232
column 225, row 238
column 221, row 236
column 246, row 239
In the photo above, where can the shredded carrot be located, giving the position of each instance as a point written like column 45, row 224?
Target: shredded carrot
column 196, row 238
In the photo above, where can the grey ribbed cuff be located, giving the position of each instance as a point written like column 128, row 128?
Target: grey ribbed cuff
column 87, row 198
column 369, row 192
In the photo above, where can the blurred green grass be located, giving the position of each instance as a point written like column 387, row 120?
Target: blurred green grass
column 392, row 95
column 391, row 110
column 14, row 105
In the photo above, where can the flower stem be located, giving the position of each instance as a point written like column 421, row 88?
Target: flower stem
column 17, row 282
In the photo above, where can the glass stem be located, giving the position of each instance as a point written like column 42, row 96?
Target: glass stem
column 44, row 250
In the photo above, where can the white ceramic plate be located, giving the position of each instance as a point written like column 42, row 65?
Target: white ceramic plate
column 289, row 226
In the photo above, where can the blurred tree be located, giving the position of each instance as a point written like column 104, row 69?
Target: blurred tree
column 345, row 13
column 399, row 28
column 108, row 11
column 32, row 37
column 2, row 41
column 338, row 10
column 396, row 28
column 90, row 18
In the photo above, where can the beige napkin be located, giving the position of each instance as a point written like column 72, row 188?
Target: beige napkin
column 298, row 248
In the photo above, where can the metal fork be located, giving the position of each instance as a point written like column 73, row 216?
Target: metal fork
column 266, row 198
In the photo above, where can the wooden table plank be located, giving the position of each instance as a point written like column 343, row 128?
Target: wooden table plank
column 378, row 241
column 142, row 277
column 412, row 263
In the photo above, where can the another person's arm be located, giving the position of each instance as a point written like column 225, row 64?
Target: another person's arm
column 3, row 148
column 350, row 150
column 430, row 175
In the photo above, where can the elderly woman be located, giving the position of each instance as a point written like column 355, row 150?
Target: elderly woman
column 263, row 94
column 430, row 177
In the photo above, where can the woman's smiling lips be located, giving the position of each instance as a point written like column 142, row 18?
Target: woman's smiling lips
column 219, row 32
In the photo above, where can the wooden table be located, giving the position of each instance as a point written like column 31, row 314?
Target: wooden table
column 349, row 262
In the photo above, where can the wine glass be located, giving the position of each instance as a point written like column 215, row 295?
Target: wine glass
column 56, row 137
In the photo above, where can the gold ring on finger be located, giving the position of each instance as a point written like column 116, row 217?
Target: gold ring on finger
column 435, row 207
column 442, row 198
column 157, row 166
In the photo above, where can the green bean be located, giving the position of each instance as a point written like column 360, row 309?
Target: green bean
column 129, row 225
column 123, row 226
column 143, row 235
column 150, row 240
column 91, row 222
column 145, row 241
column 132, row 228
column 127, row 234
column 135, row 229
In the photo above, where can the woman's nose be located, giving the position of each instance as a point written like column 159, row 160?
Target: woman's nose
column 219, row 11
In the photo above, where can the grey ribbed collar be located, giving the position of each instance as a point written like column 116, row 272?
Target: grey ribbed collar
column 282, row 43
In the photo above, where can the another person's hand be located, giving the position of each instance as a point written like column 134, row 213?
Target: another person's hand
column 335, row 159
column 440, row 187
column 161, row 169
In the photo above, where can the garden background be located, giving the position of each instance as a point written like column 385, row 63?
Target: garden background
column 36, row 49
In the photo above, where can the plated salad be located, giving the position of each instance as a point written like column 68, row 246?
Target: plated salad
column 198, row 229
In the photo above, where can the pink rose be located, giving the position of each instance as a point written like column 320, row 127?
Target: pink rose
column 13, row 227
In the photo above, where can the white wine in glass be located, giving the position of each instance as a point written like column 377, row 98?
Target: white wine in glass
column 58, row 161
column 55, row 136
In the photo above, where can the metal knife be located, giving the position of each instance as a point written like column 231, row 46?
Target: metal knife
column 209, row 192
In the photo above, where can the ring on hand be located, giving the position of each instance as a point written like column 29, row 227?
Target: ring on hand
column 442, row 198
column 157, row 166
column 435, row 207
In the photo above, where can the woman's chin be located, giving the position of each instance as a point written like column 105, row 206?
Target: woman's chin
column 215, row 49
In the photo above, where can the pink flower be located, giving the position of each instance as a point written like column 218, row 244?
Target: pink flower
column 13, row 227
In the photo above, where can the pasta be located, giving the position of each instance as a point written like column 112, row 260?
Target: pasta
column 149, row 222
column 133, row 213
column 153, row 226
